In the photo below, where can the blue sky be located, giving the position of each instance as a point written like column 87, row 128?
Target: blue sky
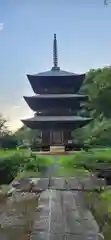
column 83, row 29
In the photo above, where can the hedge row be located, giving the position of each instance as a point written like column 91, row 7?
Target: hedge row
column 92, row 160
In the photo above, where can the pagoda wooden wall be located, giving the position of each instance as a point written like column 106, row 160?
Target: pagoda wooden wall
column 56, row 137
column 67, row 136
column 46, row 137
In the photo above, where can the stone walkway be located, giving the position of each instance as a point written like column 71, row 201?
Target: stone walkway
column 56, row 215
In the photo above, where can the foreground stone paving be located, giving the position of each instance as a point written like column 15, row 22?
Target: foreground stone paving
column 51, row 215
column 63, row 217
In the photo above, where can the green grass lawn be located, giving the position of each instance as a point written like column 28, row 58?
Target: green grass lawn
column 10, row 159
column 5, row 153
column 91, row 159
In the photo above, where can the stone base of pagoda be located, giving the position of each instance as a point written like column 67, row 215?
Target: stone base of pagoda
column 57, row 149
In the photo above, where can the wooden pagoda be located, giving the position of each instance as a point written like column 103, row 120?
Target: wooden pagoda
column 56, row 104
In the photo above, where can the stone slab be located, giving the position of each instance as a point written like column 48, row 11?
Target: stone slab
column 57, row 149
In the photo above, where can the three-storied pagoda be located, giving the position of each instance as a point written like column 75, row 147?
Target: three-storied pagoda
column 56, row 104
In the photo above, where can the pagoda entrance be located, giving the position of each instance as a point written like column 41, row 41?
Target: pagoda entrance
column 56, row 138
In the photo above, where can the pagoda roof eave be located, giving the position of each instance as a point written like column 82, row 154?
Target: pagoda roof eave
column 55, row 73
column 55, row 122
column 51, row 82
column 50, row 101
column 46, row 96
column 58, row 119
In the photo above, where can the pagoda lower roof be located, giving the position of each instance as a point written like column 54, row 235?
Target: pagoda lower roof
column 56, row 122
column 59, row 96
column 57, row 118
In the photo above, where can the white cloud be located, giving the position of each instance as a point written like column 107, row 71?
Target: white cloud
column 14, row 113
column 1, row 26
column 16, row 107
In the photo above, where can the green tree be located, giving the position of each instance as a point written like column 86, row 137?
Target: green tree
column 4, row 130
column 98, row 87
column 27, row 134
column 7, row 139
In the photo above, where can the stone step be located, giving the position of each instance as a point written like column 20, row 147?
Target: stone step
column 57, row 149
column 69, row 184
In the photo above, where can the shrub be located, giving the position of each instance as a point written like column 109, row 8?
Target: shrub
column 13, row 162
column 90, row 160
column 100, row 205
column 10, row 162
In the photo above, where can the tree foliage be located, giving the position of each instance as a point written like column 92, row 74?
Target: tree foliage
column 97, row 86
column 3, row 126
column 27, row 134
column 7, row 139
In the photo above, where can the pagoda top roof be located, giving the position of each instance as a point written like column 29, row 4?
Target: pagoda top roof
column 56, row 72
column 56, row 118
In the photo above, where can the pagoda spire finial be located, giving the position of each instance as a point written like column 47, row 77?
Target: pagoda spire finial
column 55, row 54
